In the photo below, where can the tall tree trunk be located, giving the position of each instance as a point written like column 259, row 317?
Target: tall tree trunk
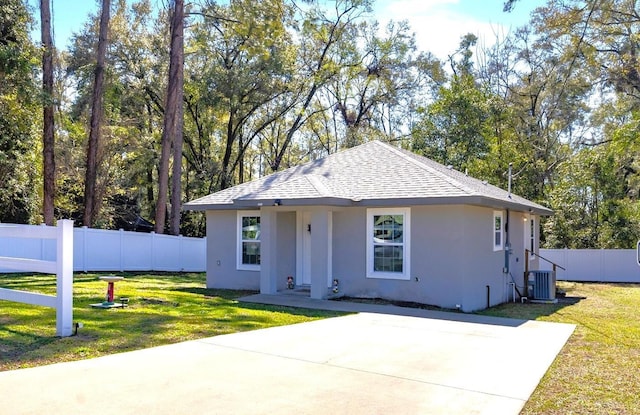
column 177, row 55
column 48, row 138
column 172, row 132
column 91, row 206
column 176, row 177
column 241, row 161
column 225, row 173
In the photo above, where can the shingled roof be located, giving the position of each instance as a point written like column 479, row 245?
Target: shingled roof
column 372, row 174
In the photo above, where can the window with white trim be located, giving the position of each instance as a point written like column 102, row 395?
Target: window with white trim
column 388, row 243
column 498, row 230
column 248, row 249
column 532, row 236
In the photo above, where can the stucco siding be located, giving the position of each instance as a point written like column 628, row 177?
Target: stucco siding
column 435, row 267
column 483, row 266
column 452, row 258
column 437, row 258
column 221, row 254
column 349, row 249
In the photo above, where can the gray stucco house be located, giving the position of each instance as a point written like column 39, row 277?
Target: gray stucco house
column 384, row 222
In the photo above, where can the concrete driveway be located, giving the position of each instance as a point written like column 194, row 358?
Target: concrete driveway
column 367, row 363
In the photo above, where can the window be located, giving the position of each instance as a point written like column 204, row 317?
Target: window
column 388, row 243
column 532, row 237
column 498, row 230
column 248, row 251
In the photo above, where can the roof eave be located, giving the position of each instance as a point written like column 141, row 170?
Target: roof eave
column 518, row 206
column 315, row 201
column 201, row 207
column 460, row 200
column 345, row 202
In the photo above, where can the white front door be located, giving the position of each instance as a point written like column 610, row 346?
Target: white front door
column 306, row 249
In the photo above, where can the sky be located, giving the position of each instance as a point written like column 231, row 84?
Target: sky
column 438, row 24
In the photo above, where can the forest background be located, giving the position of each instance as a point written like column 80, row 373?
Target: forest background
column 201, row 96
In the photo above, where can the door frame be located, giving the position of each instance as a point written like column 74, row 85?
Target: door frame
column 303, row 248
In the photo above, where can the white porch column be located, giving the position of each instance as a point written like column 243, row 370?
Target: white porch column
column 268, row 251
column 320, row 252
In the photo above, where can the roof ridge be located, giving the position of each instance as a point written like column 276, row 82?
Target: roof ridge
column 316, row 181
column 452, row 181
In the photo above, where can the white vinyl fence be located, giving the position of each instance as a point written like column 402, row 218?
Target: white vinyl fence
column 102, row 250
column 603, row 265
column 61, row 237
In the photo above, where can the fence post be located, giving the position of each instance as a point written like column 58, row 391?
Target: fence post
column 85, row 268
column 153, row 251
column 121, row 262
column 64, row 278
column 180, row 253
column 42, row 247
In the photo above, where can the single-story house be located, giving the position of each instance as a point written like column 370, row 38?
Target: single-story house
column 379, row 221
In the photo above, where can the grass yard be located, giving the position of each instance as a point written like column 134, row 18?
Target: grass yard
column 598, row 370
column 163, row 309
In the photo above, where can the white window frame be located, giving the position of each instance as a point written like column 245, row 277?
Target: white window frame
column 497, row 246
column 531, row 243
column 406, row 244
column 239, row 264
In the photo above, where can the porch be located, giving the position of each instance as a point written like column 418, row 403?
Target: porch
column 288, row 238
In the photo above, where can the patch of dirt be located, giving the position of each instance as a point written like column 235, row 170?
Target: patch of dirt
column 158, row 301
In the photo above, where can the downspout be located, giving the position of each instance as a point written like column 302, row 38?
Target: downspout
column 509, row 188
column 507, row 245
column 507, row 248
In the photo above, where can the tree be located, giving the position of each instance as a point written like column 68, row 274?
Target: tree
column 543, row 109
column 48, row 138
column 595, row 206
column 380, row 83
column 319, row 38
column 601, row 35
column 172, row 131
column 136, row 64
column 248, row 68
column 454, row 129
column 19, row 125
column 92, row 204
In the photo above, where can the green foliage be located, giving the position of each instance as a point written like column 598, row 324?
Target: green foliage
column 18, row 115
column 453, row 130
column 271, row 84
column 596, row 196
column 133, row 105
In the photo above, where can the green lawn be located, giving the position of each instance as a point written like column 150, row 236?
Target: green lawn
column 163, row 309
column 598, row 370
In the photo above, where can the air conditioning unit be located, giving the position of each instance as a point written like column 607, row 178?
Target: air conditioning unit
column 542, row 285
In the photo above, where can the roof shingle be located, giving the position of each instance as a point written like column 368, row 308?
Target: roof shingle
column 369, row 174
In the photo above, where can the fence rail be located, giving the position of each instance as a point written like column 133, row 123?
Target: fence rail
column 61, row 239
column 595, row 265
column 102, row 250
